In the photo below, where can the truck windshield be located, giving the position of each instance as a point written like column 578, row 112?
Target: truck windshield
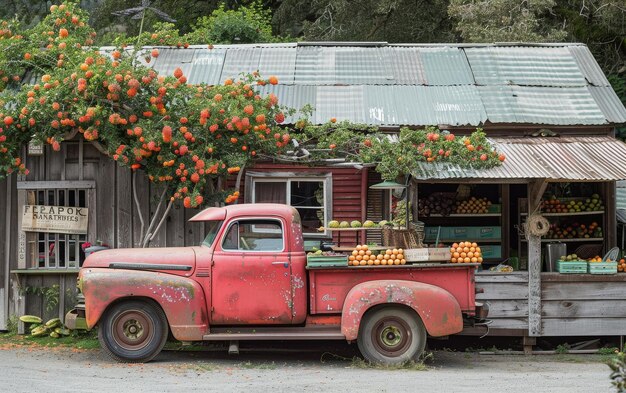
column 212, row 228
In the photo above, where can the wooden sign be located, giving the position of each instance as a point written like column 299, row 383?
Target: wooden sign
column 35, row 148
column 55, row 219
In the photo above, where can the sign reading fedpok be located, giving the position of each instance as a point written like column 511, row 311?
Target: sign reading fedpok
column 55, row 219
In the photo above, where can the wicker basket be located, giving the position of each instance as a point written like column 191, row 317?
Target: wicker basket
column 587, row 251
column 403, row 238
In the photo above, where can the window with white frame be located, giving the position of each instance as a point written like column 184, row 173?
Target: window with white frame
column 309, row 194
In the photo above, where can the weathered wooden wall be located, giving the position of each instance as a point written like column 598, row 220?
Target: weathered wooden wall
column 583, row 305
column 507, row 297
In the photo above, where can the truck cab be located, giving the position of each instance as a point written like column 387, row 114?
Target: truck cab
column 249, row 280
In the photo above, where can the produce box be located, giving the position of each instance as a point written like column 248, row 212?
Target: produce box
column 416, row 254
column 326, row 261
column 427, row 254
column 489, row 251
column 494, row 208
column 439, row 254
column 488, row 233
column 573, row 267
column 603, row 267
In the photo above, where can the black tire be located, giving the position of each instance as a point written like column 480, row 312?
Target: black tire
column 391, row 336
column 133, row 331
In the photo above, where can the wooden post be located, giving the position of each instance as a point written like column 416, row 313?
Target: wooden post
column 535, row 192
column 4, row 293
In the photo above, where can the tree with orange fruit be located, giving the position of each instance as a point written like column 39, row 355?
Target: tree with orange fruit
column 184, row 137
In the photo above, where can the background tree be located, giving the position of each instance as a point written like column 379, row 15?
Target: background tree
column 370, row 20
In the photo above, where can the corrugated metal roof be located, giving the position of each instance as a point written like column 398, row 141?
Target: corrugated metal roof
column 557, row 158
column 406, row 66
column 609, row 103
column 207, row 66
column 291, row 96
column 527, row 66
column 280, row 62
column 171, row 58
column 240, row 60
column 588, row 65
column 559, row 84
column 446, row 67
column 541, row 105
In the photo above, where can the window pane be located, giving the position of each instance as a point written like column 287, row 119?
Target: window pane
column 254, row 235
column 270, row 192
column 307, row 193
column 311, row 219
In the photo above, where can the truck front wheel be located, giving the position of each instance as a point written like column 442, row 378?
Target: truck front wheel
column 391, row 335
column 133, row 331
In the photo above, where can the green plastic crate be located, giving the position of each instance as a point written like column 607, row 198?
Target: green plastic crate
column 326, row 261
column 571, row 267
column 603, row 267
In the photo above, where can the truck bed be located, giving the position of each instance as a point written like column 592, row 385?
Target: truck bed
column 329, row 286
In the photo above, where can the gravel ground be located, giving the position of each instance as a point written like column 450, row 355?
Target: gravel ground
column 257, row 369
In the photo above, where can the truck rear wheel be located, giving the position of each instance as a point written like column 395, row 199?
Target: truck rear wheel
column 391, row 335
column 133, row 331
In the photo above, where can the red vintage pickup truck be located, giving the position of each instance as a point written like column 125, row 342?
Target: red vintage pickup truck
column 249, row 280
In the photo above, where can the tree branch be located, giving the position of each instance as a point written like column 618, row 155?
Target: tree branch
column 238, row 182
column 169, row 206
column 153, row 221
column 139, row 212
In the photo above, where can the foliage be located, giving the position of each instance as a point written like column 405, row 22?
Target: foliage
column 505, row 20
column 395, row 157
column 50, row 295
column 618, row 374
column 245, row 25
column 371, row 20
column 179, row 134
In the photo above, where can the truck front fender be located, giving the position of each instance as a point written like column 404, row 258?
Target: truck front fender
column 439, row 310
column 181, row 298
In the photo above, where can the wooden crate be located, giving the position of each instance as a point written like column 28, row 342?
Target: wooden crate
column 571, row 267
column 603, row 267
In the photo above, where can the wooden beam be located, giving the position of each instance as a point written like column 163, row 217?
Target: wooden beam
column 535, row 193
column 4, row 296
column 42, row 185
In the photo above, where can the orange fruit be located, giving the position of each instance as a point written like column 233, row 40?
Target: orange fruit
column 396, row 262
column 402, row 261
column 370, row 262
column 463, row 255
column 358, row 247
column 359, row 257
column 363, row 263
column 388, row 252
column 474, row 245
column 351, row 258
column 480, row 260
column 377, row 262
column 470, row 254
column 365, row 247
column 368, row 252
column 474, row 260
column 456, row 254
column 453, row 260
column 355, row 252
column 455, row 245
column 361, row 252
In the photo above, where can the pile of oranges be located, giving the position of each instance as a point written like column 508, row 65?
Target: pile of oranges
column 362, row 256
column 465, row 252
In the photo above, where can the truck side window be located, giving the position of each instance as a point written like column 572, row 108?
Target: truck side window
column 254, row 235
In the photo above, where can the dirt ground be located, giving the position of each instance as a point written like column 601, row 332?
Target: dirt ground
column 260, row 367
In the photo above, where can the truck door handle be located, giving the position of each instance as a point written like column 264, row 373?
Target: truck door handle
column 281, row 263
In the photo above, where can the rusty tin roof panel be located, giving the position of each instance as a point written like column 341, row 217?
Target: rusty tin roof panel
column 558, row 158
column 541, row 105
column 526, row 66
column 207, row 66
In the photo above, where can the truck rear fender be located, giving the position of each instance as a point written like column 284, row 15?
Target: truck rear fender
column 439, row 310
column 182, row 299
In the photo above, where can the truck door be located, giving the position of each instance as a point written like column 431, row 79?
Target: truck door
column 251, row 274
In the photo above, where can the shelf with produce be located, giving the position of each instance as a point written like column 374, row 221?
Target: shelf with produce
column 575, row 240
column 466, row 215
column 430, row 240
column 348, row 229
column 585, row 213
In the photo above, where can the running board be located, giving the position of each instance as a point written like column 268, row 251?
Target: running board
column 274, row 333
